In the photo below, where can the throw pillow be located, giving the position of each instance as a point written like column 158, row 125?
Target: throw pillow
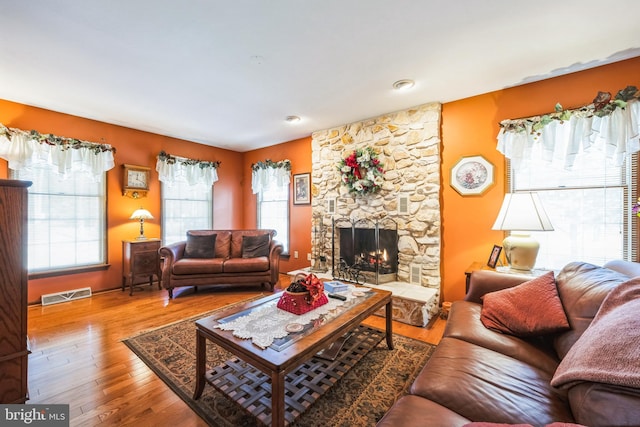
column 529, row 309
column 200, row 246
column 255, row 246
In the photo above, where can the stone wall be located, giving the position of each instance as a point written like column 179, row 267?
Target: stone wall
column 409, row 145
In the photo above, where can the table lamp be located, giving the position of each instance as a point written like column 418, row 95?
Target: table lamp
column 141, row 215
column 521, row 213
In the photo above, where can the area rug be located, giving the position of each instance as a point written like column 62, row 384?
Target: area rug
column 360, row 398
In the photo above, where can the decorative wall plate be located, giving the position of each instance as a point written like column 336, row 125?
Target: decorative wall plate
column 472, row 176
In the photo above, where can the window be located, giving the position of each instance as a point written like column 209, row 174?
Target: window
column 273, row 212
column 589, row 207
column 185, row 207
column 66, row 219
column 270, row 181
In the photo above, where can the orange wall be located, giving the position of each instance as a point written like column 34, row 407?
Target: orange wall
column 299, row 152
column 470, row 126
column 133, row 147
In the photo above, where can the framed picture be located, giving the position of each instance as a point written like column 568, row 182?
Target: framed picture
column 472, row 176
column 302, row 189
column 495, row 256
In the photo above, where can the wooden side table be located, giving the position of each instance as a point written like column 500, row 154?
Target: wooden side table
column 140, row 257
column 477, row 265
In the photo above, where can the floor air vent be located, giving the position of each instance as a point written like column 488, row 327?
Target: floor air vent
column 65, row 296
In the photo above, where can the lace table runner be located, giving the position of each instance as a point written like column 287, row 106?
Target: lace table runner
column 268, row 322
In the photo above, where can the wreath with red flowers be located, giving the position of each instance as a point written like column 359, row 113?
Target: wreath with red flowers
column 362, row 171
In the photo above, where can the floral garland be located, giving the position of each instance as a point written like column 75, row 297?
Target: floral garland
column 169, row 159
column 286, row 164
column 362, row 171
column 63, row 143
column 602, row 105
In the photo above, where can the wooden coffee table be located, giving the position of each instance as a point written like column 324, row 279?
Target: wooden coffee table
column 275, row 364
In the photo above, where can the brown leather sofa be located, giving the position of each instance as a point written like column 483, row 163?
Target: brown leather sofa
column 228, row 262
column 482, row 376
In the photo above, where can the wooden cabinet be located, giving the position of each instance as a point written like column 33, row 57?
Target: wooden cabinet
column 14, row 348
column 140, row 258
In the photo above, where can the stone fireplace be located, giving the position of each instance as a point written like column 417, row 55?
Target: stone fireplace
column 409, row 145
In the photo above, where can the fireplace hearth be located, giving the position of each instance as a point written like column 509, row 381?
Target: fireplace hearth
column 365, row 250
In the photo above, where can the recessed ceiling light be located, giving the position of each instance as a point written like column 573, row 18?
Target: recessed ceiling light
column 403, row 84
column 256, row 59
column 292, row 119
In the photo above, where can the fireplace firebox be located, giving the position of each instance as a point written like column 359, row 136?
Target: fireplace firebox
column 365, row 250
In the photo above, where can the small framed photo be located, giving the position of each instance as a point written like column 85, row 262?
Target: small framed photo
column 495, row 256
column 302, row 189
column 472, row 176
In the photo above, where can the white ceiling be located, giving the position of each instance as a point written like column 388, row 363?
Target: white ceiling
column 227, row 73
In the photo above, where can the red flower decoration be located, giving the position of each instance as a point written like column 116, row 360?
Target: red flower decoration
column 314, row 286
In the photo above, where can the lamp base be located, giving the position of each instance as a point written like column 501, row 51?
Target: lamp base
column 141, row 236
column 521, row 251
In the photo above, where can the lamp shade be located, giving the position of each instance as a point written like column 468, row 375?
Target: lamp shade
column 141, row 214
column 522, row 212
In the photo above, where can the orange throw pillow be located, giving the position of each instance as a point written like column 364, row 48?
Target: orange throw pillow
column 529, row 309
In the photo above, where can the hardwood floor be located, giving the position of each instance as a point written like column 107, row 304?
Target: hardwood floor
column 78, row 358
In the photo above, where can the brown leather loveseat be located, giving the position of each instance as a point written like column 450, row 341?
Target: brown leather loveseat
column 210, row 257
column 587, row 373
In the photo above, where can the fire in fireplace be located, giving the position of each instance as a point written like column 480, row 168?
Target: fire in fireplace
column 369, row 249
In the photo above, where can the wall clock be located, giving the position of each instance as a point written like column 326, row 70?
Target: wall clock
column 135, row 181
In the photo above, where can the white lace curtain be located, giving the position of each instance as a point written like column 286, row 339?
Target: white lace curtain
column 172, row 169
column 21, row 149
column 268, row 173
column 564, row 134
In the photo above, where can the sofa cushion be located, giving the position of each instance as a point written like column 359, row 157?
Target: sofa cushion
column 605, row 405
column 529, row 309
column 255, row 246
column 191, row 266
column 223, row 244
column 415, row 411
column 582, row 288
column 628, row 268
column 246, row 265
column 200, row 246
column 484, row 385
column 464, row 323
